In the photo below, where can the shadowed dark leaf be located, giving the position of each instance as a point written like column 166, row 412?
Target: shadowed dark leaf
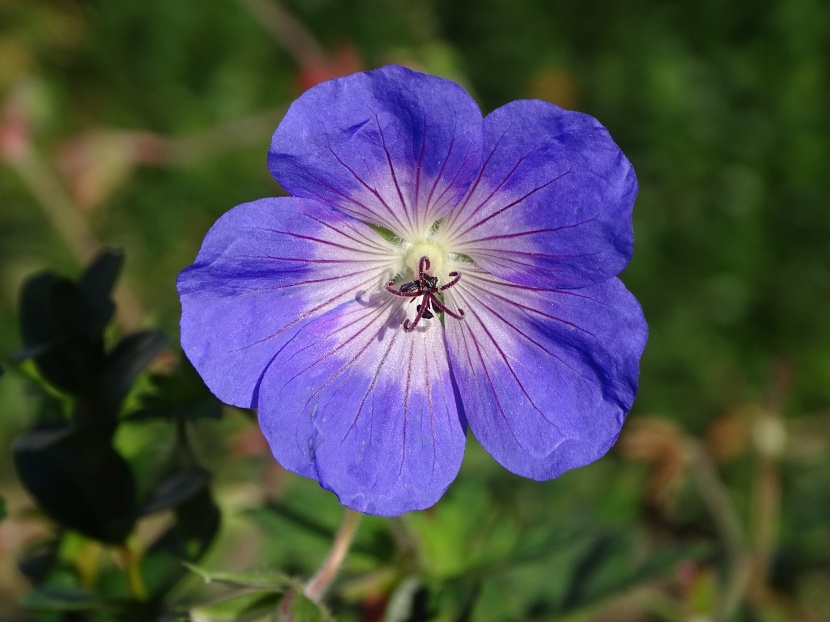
column 78, row 480
column 197, row 519
column 39, row 560
column 63, row 598
column 96, row 285
column 52, row 316
column 181, row 394
column 126, row 361
column 177, row 489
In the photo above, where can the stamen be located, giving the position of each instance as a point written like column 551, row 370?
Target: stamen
column 426, row 287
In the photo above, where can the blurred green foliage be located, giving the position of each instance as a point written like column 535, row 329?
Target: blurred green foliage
column 154, row 117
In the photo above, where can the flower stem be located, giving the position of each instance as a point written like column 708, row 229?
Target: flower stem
column 132, row 569
column 318, row 584
column 728, row 523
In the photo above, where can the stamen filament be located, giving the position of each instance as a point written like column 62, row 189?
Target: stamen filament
column 425, row 287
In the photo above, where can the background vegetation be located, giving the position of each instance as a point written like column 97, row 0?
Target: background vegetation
column 135, row 124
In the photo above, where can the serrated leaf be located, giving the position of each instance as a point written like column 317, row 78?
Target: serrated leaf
column 303, row 610
column 258, row 581
column 242, row 606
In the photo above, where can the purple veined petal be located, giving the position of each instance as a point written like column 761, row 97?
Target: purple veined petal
column 552, row 204
column 390, row 147
column 546, row 376
column 365, row 408
column 264, row 270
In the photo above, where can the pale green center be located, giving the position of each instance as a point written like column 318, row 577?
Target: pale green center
column 431, row 250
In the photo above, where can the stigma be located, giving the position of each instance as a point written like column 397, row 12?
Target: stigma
column 434, row 254
column 426, row 287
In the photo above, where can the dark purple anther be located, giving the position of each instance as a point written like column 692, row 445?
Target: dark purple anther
column 425, row 286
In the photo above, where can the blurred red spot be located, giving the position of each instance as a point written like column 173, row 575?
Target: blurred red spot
column 343, row 62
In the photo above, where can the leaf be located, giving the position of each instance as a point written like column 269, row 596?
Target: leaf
column 239, row 607
column 39, row 560
column 259, row 581
column 96, row 285
column 62, row 598
column 3, row 513
column 188, row 539
column 605, row 568
column 52, row 316
column 182, row 394
column 126, row 361
column 408, row 602
column 78, row 480
column 298, row 519
column 303, row 610
column 177, row 489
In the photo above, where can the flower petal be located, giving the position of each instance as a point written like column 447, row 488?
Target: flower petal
column 391, row 147
column 552, row 206
column 547, row 376
column 366, row 408
column 265, row 268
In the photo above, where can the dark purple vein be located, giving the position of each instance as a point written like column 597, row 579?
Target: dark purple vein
column 509, row 205
column 391, row 168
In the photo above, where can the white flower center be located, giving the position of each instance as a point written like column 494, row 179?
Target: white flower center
column 431, row 250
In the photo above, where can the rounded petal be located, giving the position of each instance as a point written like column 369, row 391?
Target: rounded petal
column 264, row 270
column 552, row 204
column 366, row 409
column 546, row 376
column 391, row 147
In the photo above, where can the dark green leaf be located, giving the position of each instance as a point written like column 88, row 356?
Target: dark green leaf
column 589, row 561
column 182, row 394
column 239, row 606
column 196, row 525
column 304, row 610
column 126, row 361
column 78, row 480
column 62, row 598
column 96, row 285
column 52, row 316
column 605, row 568
column 177, row 489
column 39, row 560
column 260, row 581
column 304, row 521
column 2, row 509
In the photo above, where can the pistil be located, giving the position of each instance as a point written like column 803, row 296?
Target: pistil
column 426, row 287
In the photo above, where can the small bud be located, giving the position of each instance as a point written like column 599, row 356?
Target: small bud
column 769, row 436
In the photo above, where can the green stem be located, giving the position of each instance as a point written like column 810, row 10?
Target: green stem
column 320, row 582
column 131, row 561
column 728, row 523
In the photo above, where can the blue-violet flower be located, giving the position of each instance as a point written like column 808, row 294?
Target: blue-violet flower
column 432, row 269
